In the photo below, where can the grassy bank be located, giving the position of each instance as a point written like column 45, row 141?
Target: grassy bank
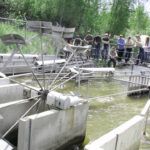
column 36, row 44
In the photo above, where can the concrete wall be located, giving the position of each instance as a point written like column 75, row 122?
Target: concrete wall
column 5, row 146
column 146, row 108
column 125, row 137
column 17, row 68
column 145, row 114
column 12, row 105
column 52, row 129
column 10, row 92
column 129, row 134
column 10, row 114
column 4, row 81
column 107, row 142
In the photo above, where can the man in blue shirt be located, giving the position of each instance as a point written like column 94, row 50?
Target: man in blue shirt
column 121, row 47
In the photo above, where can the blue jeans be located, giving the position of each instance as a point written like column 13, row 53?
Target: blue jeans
column 105, row 53
column 140, row 56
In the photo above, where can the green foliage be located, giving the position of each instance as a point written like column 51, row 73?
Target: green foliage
column 38, row 45
column 34, row 9
column 4, row 8
column 139, row 21
column 82, row 14
column 119, row 16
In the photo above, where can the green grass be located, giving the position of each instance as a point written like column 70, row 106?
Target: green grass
column 38, row 45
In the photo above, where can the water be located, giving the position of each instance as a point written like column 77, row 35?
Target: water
column 107, row 112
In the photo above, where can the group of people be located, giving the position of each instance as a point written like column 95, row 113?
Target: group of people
column 124, row 49
column 117, row 50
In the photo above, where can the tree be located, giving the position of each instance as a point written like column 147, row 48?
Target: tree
column 120, row 12
column 139, row 20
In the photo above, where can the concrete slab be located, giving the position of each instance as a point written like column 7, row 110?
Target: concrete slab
column 4, row 81
column 4, row 145
column 1, row 122
column 24, row 134
column 125, row 137
column 106, row 142
column 52, row 129
column 10, row 92
column 12, row 113
column 146, row 108
column 129, row 134
column 98, row 69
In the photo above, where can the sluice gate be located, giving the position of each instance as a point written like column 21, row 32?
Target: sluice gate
column 139, row 85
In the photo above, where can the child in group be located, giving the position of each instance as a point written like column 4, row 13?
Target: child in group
column 112, row 57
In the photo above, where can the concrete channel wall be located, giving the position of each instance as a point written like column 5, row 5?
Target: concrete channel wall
column 10, row 92
column 18, row 65
column 125, row 137
column 4, row 81
column 9, row 114
column 12, row 105
column 53, row 129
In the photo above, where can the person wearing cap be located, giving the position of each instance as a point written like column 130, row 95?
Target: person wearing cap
column 88, row 38
column 105, row 41
column 121, row 47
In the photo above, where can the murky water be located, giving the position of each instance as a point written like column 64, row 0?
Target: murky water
column 107, row 112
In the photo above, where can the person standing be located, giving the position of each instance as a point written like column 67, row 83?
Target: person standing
column 121, row 47
column 88, row 40
column 97, row 45
column 129, row 46
column 147, row 49
column 77, row 41
column 105, row 41
column 140, row 58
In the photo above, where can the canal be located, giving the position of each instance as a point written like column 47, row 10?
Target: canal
column 110, row 107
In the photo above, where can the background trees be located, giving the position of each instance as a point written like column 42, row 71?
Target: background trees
column 120, row 12
column 96, row 16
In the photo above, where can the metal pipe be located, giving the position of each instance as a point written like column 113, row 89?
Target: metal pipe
column 29, row 67
column 116, row 94
column 63, row 82
column 61, row 69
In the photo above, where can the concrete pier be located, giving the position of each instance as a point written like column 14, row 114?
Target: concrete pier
column 125, row 137
column 18, row 65
column 53, row 129
column 49, row 129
